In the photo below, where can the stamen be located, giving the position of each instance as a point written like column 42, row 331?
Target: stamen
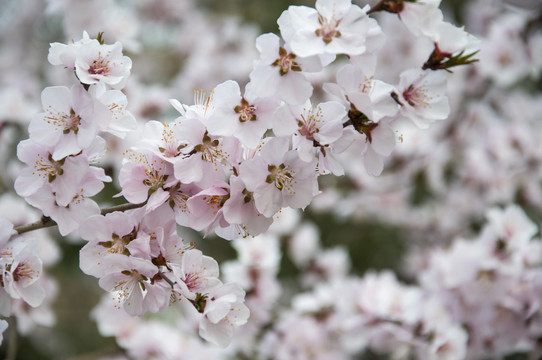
column 246, row 111
column 282, row 176
column 286, row 62
column 202, row 101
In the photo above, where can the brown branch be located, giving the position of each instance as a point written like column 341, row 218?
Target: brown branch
column 168, row 280
column 13, row 339
column 46, row 222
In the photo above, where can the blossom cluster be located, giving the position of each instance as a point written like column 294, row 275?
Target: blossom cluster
column 491, row 308
column 233, row 159
column 487, row 150
column 27, row 290
column 64, row 139
column 331, row 95
column 212, row 169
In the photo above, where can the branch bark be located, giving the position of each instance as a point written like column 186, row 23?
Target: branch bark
column 46, row 221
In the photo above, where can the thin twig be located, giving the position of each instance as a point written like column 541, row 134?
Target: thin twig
column 46, row 222
column 13, row 339
column 123, row 207
column 168, row 280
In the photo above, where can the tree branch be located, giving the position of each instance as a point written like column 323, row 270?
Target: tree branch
column 13, row 339
column 46, row 221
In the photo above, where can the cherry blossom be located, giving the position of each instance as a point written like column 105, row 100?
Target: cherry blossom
column 245, row 117
column 197, row 274
column 64, row 54
column 421, row 17
column 96, row 63
column 278, row 177
column 223, row 310
column 240, row 209
column 145, row 175
column 367, row 95
column 334, row 27
column 127, row 279
column 21, row 268
column 107, row 235
column 70, row 122
column 201, row 160
column 422, row 97
column 280, row 72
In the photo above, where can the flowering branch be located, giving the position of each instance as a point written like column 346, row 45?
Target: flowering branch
column 46, row 221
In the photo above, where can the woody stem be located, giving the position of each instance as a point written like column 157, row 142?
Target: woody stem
column 46, row 221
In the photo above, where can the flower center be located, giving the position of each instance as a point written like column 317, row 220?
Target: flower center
column 209, row 150
column 286, row 62
column 367, row 84
column 215, row 202
column 328, row 31
column 177, row 198
column 99, row 67
column 24, row 271
column 66, row 122
column 281, row 176
column 310, row 125
column 170, row 145
column 248, row 196
column 246, row 111
column 117, row 244
column 49, row 168
column 192, row 282
column 125, row 287
column 154, row 170
column 416, row 96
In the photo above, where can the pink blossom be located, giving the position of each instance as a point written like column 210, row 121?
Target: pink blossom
column 144, row 175
column 202, row 160
column 70, row 122
column 64, row 54
column 21, row 268
column 278, row 177
column 245, row 117
column 197, row 273
column 205, row 208
column 62, row 177
column 162, row 139
column 121, row 120
column 280, row 72
column 369, row 96
column 422, row 95
column 127, row 279
column 421, row 17
column 96, row 63
column 107, row 235
column 334, row 27
column 240, row 209
column 224, row 310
